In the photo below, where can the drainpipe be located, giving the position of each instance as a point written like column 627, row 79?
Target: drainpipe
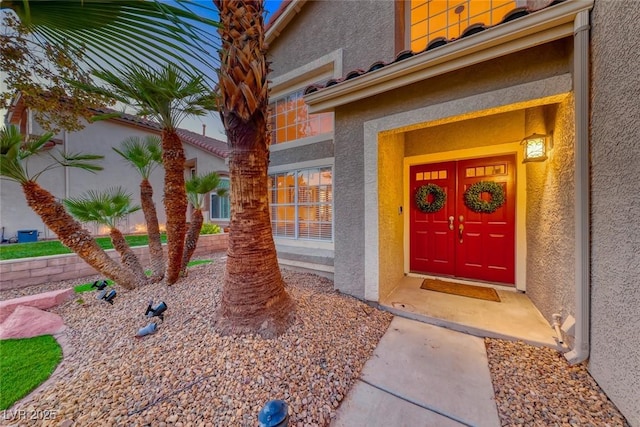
column 580, row 350
column 65, row 148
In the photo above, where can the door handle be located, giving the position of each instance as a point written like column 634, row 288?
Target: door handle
column 460, row 231
column 451, row 218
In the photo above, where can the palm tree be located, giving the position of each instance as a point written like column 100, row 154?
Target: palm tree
column 254, row 299
column 145, row 155
column 166, row 96
column 108, row 208
column 197, row 187
column 117, row 33
column 72, row 36
column 14, row 156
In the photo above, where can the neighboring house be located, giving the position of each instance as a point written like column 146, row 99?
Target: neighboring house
column 203, row 155
column 374, row 100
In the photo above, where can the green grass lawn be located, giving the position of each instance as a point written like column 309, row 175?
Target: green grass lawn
column 54, row 247
column 24, row 365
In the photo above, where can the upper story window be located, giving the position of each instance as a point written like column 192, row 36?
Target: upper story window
column 289, row 116
column 291, row 121
column 430, row 19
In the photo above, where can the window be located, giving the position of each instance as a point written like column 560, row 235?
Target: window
column 290, row 119
column 302, row 204
column 431, row 19
column 220, row 205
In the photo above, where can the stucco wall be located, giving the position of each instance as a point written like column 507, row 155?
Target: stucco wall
column 479, row 132
column 530, row 65
column 97, row 138
column 315, row 32
column 391, row 219
column 615, row 206
column 317, row 150
column 550, row 213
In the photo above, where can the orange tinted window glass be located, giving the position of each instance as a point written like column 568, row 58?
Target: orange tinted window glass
column 293, row 121
column 449, row 18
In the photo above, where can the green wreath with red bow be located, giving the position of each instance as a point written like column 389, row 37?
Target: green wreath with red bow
column 439, row 197
column 473, row 199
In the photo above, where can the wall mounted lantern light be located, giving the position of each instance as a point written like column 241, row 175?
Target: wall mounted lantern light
column 535, row 147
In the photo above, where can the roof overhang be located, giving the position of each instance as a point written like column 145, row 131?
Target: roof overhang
column 290, row 10
column 541, row 27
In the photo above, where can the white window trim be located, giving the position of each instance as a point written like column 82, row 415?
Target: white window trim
column 211, row 218
column 329, row 66
column 309, row 243
column 302, row 141
column 303, row 243
column 326, row 162
column 324, row 68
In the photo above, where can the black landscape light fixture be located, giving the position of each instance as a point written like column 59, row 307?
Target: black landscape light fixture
column 108, row 297
column 151, row 328
column 274, row 414
column 156, row 311
column 100, row 284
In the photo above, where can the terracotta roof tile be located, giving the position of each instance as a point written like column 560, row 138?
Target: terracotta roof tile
column 217, row 147
column 212, row 145
column 274, row 17
column 512, row 15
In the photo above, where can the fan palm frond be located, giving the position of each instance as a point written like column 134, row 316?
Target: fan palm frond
column 166, row 95
column 200, row 185
column 15, row 150
column 118, row 32
column 144, row 154
column 103, row 207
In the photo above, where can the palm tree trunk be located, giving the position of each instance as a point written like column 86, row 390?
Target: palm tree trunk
column 175, row 201
column 156, row 255
column 253, row 296
column 191, row 241
column 128, row 258
column 72, row 235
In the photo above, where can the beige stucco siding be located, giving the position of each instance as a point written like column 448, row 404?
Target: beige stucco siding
column 391, row 215
column 615, row 206
column 97, row 138
column 496, row 129
column 531, row 65
column 550, row 213
column 365, row 33
column 304, row 153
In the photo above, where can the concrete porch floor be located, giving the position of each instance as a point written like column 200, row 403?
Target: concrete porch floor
column 514, row 318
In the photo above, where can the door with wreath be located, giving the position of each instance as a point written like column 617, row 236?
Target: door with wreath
column 462, row 219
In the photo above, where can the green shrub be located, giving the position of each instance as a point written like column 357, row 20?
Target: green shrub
column 209, row 228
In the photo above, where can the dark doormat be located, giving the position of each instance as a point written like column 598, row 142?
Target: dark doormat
column 479, row 292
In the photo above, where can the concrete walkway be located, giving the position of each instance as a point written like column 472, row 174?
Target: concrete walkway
column 514, row 318
column 422, row 375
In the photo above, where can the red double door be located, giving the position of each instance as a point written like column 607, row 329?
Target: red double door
column 456, row 241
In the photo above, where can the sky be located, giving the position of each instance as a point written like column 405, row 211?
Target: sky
column 214, row 127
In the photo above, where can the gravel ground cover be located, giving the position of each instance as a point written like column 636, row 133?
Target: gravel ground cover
column 537, row 387
column 187, row 374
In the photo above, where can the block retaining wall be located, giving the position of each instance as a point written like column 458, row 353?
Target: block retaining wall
column 20, row 273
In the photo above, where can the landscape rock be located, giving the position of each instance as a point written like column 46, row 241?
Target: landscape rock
column 28, row 322
column 42, row 301
column 187, row 373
